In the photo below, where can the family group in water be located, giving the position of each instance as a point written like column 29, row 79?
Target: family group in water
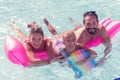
column 71, row 40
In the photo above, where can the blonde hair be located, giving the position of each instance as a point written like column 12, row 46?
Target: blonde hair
column 67, row 33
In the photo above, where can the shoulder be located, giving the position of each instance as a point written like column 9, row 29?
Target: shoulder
column 79, row 31
column 102, row 31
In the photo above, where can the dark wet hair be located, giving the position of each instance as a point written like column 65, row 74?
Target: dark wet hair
column 90, row 13
column 35, row 29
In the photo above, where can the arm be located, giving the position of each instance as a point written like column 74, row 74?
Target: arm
column 93, row 53
column 73, row 22
column 50, row 50
column 56, row 50
column 21, row 35
column 50, row 27
column 31, row 57
column 106, row 41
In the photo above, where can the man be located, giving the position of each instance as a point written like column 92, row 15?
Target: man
column 91, row 30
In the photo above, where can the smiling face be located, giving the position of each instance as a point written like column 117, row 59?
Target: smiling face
column 69, row 40
column 36, row 40
column 90, row 20
column 90, row 23
column 36, row 36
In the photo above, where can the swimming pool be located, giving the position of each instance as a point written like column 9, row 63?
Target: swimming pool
column 56, row 11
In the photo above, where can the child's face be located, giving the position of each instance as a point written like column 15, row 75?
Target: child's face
column 69, row 41
column 36, row 40
column 91, row 24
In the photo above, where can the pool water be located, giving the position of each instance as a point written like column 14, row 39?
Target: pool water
column 57, row 12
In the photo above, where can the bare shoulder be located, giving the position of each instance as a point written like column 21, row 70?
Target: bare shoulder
column 79, row 30
column 102, row 30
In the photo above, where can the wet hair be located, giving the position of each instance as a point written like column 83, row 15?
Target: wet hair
column 35, row 29
column 67, row 32
column 90, row 13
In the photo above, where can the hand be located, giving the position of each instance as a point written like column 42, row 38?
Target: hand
column 45, row 21
column 93, row 53
column 102, row 60
column 31, row 24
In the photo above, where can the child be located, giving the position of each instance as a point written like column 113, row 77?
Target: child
column 70, row 45
column 69, row 41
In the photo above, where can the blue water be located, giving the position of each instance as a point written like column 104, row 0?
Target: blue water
column 56, row 11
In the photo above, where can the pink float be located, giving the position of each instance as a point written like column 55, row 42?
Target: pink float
column 112, row 28
column 16, row 53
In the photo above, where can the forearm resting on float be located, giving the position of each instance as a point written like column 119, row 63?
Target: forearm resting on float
column 31, row 56
column 85, row 60
column 35, row 61
column 93, row 53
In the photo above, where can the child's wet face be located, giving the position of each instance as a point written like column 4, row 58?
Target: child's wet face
column 70, row 42
column 36, row 40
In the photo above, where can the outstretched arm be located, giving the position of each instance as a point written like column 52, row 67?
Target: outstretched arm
column 50, row 27
column 31, row 57
column 73, row 22
column 20, row 34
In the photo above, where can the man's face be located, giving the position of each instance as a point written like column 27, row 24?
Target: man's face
column 91, row 24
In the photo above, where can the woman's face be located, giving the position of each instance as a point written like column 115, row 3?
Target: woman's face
column 36, row 40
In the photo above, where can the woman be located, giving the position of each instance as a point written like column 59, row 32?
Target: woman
column 36, row 45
